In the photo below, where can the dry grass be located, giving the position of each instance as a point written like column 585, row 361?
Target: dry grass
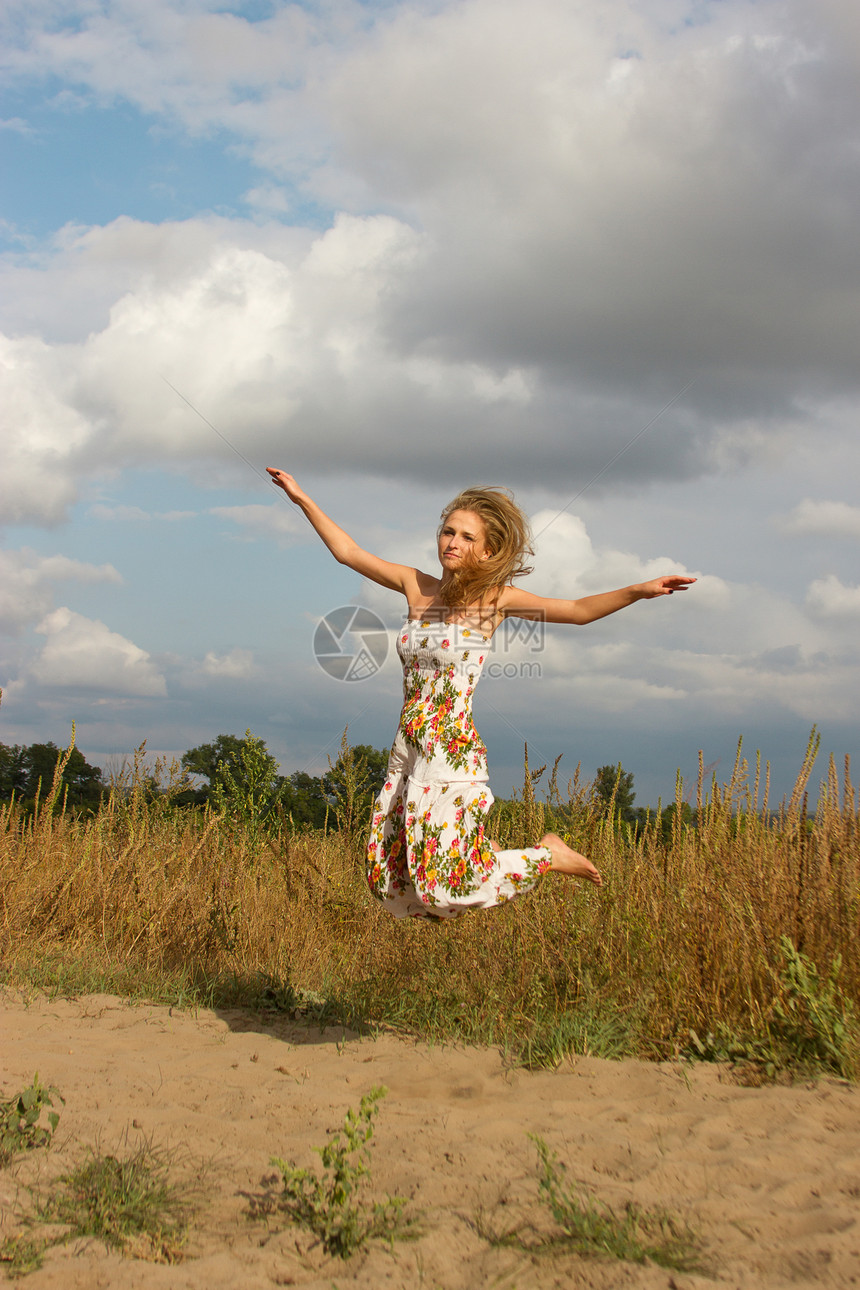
column 145, row 898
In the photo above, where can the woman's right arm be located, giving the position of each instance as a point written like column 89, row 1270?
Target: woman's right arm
column 397, row 577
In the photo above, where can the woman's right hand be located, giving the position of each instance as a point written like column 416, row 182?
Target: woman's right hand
column 288, row 483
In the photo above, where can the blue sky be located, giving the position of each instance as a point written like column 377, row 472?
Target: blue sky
column 397, row 249
column 89, row 164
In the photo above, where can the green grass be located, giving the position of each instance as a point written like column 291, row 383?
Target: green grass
column 576, row 1032
column 126, row 1200
column 67, row 974
column 22, row 1253
column 587, row 1226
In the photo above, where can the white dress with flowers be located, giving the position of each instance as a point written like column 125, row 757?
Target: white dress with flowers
column 427, row 855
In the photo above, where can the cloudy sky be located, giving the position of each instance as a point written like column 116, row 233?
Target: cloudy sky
column 606, row 254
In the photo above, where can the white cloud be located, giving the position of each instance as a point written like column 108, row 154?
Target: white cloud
column 567, row 564
column 237, row 665
column 42, row 431
column 284, row 356
column 823, row 519
column 65, row 289
column 722, row 650
column 202, row 674
column 135, row 514
column 126, row 514
column 269, row 197
column 191, row 66
column 671, row 685
column 82, row 653
column 274, row 521
column 27, row 581
column 830, row 597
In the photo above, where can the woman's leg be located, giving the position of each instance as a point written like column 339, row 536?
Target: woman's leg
column 565, row 860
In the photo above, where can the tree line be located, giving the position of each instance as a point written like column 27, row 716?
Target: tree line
column 234, row 773
column 242, row 769
column 238, row 774
column 28, row 770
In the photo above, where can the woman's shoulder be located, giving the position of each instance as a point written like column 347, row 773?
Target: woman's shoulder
column 504, row 596
column 427, row 584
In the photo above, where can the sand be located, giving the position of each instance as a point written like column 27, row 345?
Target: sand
column 769, row 1176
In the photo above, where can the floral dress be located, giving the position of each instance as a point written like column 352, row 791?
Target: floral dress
column 427, row 854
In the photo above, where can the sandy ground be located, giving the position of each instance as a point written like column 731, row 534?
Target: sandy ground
column 769, row 1177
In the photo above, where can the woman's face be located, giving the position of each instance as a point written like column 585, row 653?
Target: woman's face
column 462, row 540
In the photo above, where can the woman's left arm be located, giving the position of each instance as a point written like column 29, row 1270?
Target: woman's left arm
column 516, row 603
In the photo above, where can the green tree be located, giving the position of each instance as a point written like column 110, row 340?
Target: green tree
column 669, row 815
column 205, row 758
column 303, row 797
column 613, row 791
column 374, row 762
column 13, row 771
column 82, row 784
column 242, row 779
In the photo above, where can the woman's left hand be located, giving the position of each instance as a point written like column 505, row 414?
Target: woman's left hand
column 664, row 586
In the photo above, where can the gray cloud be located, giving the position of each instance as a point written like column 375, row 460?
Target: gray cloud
column 822, row 519
column 599, row 215
column 622, row 202
column 833, row 599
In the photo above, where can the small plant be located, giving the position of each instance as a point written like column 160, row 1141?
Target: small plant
column 589, row 1227
column 754, row 1059
column 329, row 1205
column 28, row 1120
column 812, row 1028
column 814, row 1022
column 22, row 1254
column 127, row 1201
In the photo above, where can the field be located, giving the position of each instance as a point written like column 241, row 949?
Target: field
column 740, row 931
column 725, row 955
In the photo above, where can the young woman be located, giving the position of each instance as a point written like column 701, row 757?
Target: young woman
column 428, row 856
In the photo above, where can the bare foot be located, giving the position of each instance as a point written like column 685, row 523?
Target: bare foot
column 564, row 860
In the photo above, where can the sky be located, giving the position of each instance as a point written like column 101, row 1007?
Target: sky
column 605, row 255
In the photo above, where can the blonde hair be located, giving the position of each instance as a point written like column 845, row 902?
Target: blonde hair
column 506, row 534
